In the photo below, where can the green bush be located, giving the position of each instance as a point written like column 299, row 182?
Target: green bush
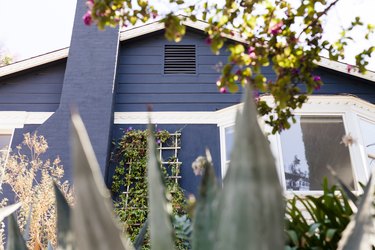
column 317, row 222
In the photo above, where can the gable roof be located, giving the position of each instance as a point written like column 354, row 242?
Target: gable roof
column 148, row 28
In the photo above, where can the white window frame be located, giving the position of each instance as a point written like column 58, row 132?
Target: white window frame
column 350, row 108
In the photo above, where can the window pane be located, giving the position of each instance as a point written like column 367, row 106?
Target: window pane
column 368, row 136
column 309, row 146
column 229, row 138
column 4, row 141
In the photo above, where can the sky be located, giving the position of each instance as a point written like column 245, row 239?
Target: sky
column 32, row 27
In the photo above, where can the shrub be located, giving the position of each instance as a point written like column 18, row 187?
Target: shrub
column 31, row 179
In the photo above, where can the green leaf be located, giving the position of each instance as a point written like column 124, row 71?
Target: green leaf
column 138, row 243
column 312, row 229
column 344, row 187
column 360, row 230
column 252, row 205
column 160, row 210
column 293, row 236
column 15, row 238
column 65, row 234
column 93, row 223
column 5, row 211
column 330, row 233
column 205, row 217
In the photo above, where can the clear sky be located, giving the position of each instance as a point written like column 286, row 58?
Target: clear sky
column 32, row 27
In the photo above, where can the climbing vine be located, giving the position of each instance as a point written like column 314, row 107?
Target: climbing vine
column 129, row 183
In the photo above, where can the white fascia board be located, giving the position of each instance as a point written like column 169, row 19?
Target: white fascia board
column 34, row 61
column 17, row 119
column 144, row 29
column 343, row 68
column 140, row 30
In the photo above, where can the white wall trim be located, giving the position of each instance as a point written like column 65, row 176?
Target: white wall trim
column 166, row 117
column 17, row 119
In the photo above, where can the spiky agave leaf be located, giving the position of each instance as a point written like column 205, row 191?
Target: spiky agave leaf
column 360, row 231
column 65, row 236
column 160, row 209
column 93, row 223
column 352, row 197
column 15, row 238
column 251, row 207
column 5, row 211
column 205, row 216
column 138, row 243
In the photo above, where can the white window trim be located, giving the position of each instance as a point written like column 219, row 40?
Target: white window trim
column 349, row 107
column 17, row 119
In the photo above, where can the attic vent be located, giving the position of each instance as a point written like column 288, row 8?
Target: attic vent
column 179, row 59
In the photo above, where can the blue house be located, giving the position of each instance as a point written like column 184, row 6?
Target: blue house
column 113, row 77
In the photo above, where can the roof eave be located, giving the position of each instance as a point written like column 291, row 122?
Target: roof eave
column 148, row 28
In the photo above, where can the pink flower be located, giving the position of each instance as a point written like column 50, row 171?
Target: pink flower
column 208, row 40
column 349, row 68
column 316, row 78
column 154, row 14
column 223, row 90
column 276, row 29
column 87, row 19
column 90, row 4
column 251, row 52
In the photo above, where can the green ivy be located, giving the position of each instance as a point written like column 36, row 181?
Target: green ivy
column 129, row 183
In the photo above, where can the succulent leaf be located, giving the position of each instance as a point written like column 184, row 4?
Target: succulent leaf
column 141, row 236
column 65, row 234
column 92, row 220
column 15, row 238
column 205, row 217
column 5, row 211
column 360, row 231
column 160, row 210
column 251, row 214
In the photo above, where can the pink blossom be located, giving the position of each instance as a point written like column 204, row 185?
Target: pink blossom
column 208, row 40
column 349, row 68
column 90, row 4
column 276, row 29
column 316, row 78
column 223, row 90
column 87, row 19
column 154, row 14
column 251, row 52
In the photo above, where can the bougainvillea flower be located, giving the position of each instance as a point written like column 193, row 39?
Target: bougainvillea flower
column 87, row 19
column 316, row 78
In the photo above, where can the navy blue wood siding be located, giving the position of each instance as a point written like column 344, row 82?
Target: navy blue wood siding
column 140, row 78
column 194, row 139
column 38, row 89
column 336, row 83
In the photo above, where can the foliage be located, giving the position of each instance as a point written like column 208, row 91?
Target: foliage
column 287, row 35
column 31, row 179
column 129, row 183
column 317, row 222
column 5, row 60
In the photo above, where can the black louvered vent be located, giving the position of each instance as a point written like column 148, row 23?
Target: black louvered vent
column 179, row 59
